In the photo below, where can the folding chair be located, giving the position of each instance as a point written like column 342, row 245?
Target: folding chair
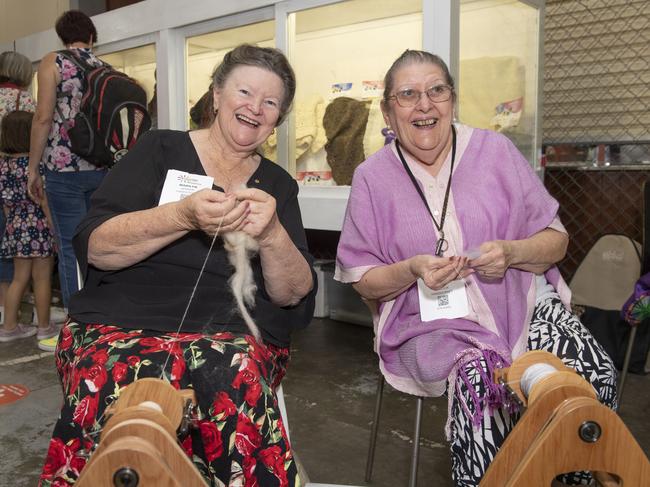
column 415, row 455
column 604, row 280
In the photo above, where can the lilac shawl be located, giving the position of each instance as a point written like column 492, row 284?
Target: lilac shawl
column 497, row 196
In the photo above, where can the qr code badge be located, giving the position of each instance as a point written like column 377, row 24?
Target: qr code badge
column 443, row 300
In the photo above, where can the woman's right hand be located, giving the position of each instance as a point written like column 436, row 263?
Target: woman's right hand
column 35, row 185
column 212, row 211
column 438, row 272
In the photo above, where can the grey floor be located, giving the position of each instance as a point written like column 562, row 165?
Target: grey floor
column 329, row 391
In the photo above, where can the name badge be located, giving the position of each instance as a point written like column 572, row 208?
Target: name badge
column 179, row 184
column 448, row 302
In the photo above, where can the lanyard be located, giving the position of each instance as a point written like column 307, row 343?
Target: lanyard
column 442, row 244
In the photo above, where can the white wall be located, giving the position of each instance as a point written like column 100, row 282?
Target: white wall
column 20, row 18
column 139, row 19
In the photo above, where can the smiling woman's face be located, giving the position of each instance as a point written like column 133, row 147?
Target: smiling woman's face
column 424, row 129
column 248, row 106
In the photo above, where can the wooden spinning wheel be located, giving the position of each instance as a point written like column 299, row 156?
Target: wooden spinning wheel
column 138, row 446
column 564, row 429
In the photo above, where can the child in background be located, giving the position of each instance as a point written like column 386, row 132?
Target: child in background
column 6, row 271
column 15, row 77
column 27, row 237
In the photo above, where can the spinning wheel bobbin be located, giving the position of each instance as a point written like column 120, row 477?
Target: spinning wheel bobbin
column 511, row 376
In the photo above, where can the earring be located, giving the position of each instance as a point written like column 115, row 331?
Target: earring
column 389, row 135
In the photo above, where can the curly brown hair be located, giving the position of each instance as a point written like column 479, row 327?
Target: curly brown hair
column 267, row 58
column 75, row 26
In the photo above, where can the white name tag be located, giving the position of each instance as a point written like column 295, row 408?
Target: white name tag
column 179, row 184
column 448, row 302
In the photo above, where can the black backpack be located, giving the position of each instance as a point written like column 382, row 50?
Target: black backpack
column 112, row 115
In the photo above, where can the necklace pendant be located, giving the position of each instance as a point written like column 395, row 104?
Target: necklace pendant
column 441, row 246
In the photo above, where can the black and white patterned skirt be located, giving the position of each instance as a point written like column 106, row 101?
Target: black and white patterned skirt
column 554, row 329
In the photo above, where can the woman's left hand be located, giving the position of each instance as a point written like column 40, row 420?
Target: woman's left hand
column 262, row 222
column 495, row 258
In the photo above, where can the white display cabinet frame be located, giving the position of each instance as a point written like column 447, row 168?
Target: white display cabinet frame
column 168, row 24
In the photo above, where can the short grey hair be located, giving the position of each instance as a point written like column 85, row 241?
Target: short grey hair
column 416, row 57
column 15, row 68
column 268, row 58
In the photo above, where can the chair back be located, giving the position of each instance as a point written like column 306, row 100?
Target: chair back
column 606, row 276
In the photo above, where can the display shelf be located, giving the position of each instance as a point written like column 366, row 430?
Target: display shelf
column 323, row 207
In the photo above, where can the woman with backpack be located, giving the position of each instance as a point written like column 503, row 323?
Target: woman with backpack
column 70, row 180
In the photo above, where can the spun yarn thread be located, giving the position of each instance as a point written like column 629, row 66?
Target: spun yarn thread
column 533, row 374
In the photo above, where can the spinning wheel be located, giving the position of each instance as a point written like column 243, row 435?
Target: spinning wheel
column 138, row 446
column 564, row 429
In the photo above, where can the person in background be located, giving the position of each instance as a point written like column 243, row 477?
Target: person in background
column 69, row 179
column 15, row 79
column 27, row 235
column 202, row 114
column 152, row 106
column 156, row 300
column 460, row 263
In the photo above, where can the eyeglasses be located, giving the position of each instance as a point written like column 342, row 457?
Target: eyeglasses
column 409, row 97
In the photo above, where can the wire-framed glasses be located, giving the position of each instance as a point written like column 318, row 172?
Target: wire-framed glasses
column 409, row 97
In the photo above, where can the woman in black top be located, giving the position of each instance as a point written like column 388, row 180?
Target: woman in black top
column 142, row 257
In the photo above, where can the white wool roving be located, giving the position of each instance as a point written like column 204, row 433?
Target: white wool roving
column 241, row 247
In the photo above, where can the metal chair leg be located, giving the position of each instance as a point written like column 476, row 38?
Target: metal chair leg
column 413, row 477
column 626, row 364
column 373, row 431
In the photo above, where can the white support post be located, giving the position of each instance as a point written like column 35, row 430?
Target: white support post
column 285, row 32
column 440, row 31
column 170, row 80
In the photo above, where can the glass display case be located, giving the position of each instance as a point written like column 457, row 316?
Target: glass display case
column 340, row 53
column 499, row 42
column 206, row 51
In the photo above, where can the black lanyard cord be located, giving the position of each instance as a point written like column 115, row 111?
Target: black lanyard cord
column 442, row 242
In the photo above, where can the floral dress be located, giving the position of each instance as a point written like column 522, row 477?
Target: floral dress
column 27, row 233
column 13, row 98
column 57, row 155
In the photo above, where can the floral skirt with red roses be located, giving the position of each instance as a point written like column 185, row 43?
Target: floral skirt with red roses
column 240, row 439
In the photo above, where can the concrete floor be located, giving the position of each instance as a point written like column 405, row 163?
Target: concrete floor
column 329, row 391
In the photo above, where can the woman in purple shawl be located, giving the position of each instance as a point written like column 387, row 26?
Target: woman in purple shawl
column 452, row 235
